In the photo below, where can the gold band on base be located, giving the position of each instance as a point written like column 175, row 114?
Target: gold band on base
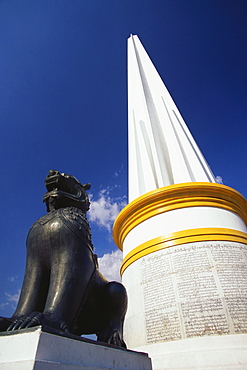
column 169, row 198
column 183, row 237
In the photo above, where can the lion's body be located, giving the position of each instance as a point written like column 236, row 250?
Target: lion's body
column 62, row 287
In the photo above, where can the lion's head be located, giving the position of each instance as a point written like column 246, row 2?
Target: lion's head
column 65, row 190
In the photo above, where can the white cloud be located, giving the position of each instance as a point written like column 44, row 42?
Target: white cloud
column 3, row 305
column 13, row 297
column 13, row 279
column 105, row 209
column 117, row 173
column 11, row 300
column 109, row 265
column 219, row 179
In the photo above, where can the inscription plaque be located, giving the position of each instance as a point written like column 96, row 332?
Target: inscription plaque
column 195, row 290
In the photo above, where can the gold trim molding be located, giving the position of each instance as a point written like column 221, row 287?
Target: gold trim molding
column 183, row 237
column 168, row 198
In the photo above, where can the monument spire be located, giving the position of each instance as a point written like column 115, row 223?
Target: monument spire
column 183, row 236
column 162, row 150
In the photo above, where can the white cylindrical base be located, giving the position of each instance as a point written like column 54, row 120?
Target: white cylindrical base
column 192, row 290
column 185, row 271
column 179, row 220
column 207, row 353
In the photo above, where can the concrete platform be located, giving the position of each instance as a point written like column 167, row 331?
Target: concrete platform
column 42, row 348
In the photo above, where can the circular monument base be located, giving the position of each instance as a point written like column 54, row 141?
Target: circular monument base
column 209, row 353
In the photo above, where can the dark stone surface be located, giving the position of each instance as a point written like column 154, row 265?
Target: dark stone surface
column 63, row 288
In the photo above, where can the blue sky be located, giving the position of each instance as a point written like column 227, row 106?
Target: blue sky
column 63, row 103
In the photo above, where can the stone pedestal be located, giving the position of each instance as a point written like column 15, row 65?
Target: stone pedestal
column 42, row 349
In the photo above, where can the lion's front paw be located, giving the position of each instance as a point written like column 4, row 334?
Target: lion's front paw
column 111, row 337
column 4, row 323
column 35, row 319
column 26, row 321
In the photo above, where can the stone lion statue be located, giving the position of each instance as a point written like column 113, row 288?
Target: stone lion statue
column 63, row 287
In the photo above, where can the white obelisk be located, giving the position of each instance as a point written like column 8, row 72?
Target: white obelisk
column 183, row 238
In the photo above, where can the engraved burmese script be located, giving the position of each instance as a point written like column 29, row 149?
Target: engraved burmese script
column 201, row 291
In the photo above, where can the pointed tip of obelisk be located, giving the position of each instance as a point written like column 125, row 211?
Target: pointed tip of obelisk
column 132, row 36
